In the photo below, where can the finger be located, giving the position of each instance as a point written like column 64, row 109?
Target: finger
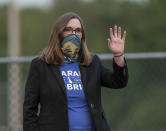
column 115, row 30
column 111, row 33
column 124, row 36
column 109, row 42
column 119, row 32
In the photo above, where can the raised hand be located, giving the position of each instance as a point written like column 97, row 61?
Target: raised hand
column 116, row 43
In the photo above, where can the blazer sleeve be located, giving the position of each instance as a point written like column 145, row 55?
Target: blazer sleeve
column 117, row 78
column 31, row 99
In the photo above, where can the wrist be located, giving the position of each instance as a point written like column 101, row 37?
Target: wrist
column 119, row 60
column 118, row 55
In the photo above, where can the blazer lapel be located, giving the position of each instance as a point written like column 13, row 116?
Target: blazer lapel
column 59, row 79
column 83, row 72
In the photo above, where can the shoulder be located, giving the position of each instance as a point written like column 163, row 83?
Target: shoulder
column 37, row 61
column 37, row 64
column 96, row 62
column 95, row 59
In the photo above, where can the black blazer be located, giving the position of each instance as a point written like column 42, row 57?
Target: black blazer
column 45, row 87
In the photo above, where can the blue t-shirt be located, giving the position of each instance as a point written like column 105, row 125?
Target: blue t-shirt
column 78, row 110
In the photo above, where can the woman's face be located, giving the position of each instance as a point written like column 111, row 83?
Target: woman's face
column 73, row 26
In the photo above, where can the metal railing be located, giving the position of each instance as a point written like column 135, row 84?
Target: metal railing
column 106, row 56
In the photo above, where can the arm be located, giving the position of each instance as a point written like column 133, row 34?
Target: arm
column 117, row 78
column 31, row 99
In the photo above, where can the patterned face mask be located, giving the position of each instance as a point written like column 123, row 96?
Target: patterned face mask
column 71, row 46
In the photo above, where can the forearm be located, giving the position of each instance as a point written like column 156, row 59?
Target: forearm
column 120, row 72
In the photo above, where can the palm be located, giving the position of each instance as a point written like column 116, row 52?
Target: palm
column 116, row 44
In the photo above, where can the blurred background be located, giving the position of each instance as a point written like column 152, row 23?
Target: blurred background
column 25, row 27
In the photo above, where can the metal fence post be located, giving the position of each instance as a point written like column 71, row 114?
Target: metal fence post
column 14, row 97
column 14, row 94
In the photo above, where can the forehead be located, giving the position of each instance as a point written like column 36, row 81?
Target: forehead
column 74, row 23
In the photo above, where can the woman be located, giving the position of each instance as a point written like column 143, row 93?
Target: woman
column 66, row 81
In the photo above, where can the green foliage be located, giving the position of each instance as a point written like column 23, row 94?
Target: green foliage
column 145, row 24
column 141, row 105
column 3, row 30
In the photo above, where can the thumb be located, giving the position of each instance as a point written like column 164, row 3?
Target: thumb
column 109, row 42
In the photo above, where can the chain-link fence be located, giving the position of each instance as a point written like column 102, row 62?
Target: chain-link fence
column 138, row 107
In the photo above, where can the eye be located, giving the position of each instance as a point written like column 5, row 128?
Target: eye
column 78, row 30
column 67, row 29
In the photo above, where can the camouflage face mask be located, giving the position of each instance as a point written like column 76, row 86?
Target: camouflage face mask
column 71, row 46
